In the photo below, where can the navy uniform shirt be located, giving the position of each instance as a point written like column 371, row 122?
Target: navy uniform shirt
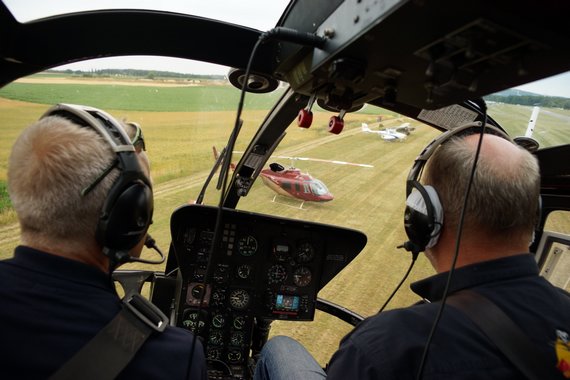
column 390, row 345
column 50, row 307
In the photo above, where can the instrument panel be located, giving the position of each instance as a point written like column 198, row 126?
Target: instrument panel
column 259, row 268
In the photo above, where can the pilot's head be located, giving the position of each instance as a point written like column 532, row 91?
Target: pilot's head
column 504, row 197
column 51, row 164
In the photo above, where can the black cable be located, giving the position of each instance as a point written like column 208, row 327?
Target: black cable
column 276, row 33
column 151, row 244
column 224, row 172
column 483, row 107
column 414, row 258
column 200, row 198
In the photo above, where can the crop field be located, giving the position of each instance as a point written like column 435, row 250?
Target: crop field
column 181, row 124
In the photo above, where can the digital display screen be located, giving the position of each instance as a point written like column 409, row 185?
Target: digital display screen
column 281, row 248
column 281, row 251
column 287, row 303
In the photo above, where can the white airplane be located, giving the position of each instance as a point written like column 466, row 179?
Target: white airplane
column 532, row 122
column 390, row 134
column 527, row 141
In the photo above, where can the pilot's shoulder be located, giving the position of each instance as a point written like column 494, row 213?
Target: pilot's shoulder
column 391, row 322
column 167, row 355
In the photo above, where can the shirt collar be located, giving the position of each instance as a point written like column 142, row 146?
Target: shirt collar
column 60, row 267
column 431, row 288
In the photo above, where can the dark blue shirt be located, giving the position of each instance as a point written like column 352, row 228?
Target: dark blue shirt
column 390, row 345
column 50, row 307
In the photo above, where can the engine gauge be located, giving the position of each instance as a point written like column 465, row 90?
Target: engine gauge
column 243, row 271
column 302, row 276
column 214, row 354
column 218, row 320
column 305, row 252
column 192, row 322
column 221, row 274
column 239, row 299
column 247, row 246
column 196, row 291
column 234, row 356
column 237, row 338
column 239, row 322
column 218, row 298
column 216, row 337
column 276, row 274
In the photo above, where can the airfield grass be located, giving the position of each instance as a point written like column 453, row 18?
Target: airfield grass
column 179, row 145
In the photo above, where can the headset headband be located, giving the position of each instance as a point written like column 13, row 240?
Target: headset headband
column 102, row 122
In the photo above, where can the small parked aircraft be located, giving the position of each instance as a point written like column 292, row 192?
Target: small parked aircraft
column 390, row 134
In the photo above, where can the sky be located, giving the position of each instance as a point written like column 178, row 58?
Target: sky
column 558, row 85
column 243, row 12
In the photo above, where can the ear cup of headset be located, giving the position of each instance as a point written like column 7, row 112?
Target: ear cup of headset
column 423, row 216
column 127, row 211
column 126, row 217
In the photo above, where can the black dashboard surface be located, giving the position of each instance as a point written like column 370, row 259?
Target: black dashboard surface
column 262, row 268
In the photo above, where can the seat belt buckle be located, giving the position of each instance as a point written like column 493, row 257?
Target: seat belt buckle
column 145, row 311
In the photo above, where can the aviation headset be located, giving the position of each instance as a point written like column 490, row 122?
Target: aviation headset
column 128, row 208
column 423, row 216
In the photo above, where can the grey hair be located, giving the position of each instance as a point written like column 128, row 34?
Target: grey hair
column 503, row 199
column 51, row 162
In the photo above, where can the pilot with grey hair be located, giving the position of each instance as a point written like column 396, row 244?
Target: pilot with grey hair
column 56, row 292
column 493, row 261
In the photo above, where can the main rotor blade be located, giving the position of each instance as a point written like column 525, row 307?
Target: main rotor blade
column 323, row 160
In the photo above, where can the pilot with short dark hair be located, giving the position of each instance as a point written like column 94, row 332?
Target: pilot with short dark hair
column 493, row 261
column 57, row 293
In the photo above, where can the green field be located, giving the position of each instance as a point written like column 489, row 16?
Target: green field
column 179, row 144
column 139, row 98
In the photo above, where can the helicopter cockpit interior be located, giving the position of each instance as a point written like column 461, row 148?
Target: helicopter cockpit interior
column 239, row 260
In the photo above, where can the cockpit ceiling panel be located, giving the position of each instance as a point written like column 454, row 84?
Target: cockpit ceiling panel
column 429, row 54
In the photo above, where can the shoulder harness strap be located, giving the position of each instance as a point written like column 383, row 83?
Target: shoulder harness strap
column 109, row 352
column 505, row 334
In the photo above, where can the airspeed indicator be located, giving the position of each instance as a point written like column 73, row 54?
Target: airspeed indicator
column 239, row 299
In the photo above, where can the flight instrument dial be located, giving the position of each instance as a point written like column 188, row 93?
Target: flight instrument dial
column 305, row 252
column 276, row 274
column 302, row 276
column 239, row 299
column 247, row 246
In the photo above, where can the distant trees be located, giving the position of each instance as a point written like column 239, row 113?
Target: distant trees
column 132, row 73
column 532, row 100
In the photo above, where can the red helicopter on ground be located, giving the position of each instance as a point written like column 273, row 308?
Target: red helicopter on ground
column 293, row 183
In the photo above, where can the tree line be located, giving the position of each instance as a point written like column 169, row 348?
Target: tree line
column 532, row 100
column 134, row 73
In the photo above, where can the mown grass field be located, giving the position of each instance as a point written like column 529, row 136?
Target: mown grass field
column 179, row 144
